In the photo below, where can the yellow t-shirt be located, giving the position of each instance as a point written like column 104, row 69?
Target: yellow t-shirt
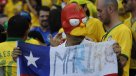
column 122, row 35
column 95, row 29
column 11, row 9
column 132, row 26
column 6, row 60
column 46, row 3
column 35, row 21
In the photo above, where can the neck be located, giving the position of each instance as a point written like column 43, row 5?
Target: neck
column 74, row 40
column 114, row 21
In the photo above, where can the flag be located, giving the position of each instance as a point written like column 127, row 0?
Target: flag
column 91, row 59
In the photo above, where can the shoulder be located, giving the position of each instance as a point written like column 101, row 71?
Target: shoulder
column 122, row 28
column 32, row 41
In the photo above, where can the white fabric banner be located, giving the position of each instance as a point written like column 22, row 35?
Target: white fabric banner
column 89, row 59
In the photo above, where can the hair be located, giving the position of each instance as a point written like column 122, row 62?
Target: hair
column 2, row 34
column 43, row 8
column 17, row 26
column 36, row 35
column 25, row 15
column 111, row 2
column 55, row 20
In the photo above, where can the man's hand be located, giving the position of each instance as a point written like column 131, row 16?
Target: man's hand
column 16, row 52
column 123, row 59
column 117, row 48
column 55, row 41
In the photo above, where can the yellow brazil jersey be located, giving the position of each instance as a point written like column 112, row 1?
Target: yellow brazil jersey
column 11, row 9
column 95, row 29
column 132, row 26
column 6, row 61
column 122, row 35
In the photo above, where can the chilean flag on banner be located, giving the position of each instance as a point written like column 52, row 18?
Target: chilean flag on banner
column 93, row 59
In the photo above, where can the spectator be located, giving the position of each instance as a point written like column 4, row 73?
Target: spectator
column 116, row 30
column 44, row 24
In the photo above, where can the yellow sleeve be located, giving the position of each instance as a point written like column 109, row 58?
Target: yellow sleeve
column 125, row 41
column 32, row 41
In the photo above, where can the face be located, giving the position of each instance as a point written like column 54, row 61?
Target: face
column 128, row 5
column 43, row 18
column 103, row 14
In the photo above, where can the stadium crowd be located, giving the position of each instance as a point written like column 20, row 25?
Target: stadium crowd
column 44, row 22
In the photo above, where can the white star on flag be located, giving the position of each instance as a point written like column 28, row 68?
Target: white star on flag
column 31, row 59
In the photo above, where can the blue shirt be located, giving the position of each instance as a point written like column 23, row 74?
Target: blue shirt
column 45, row 35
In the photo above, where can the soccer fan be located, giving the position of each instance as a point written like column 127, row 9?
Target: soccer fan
column 18, row 28
column 44, row 24
column 116, row 30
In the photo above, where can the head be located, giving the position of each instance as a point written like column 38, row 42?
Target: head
column 25, row 15
column 129, row 5
column 18, row 27
column 73, row 20
column 106, row 9
column 43, row 16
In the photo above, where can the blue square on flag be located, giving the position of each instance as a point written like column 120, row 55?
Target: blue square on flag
column 35, row 60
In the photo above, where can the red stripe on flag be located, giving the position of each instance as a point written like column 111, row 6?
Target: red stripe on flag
column 27, row 75
column 115, row 74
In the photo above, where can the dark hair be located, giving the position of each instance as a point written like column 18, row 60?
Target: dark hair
column 36, row 35
column 2, row 35
column 43, row 8
column 26, row 15
column 17, row 26
column 55, row 20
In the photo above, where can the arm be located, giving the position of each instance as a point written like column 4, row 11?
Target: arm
column 31, row 8
column 125, row 41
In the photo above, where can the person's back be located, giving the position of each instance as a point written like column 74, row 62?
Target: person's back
column 18, row 27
